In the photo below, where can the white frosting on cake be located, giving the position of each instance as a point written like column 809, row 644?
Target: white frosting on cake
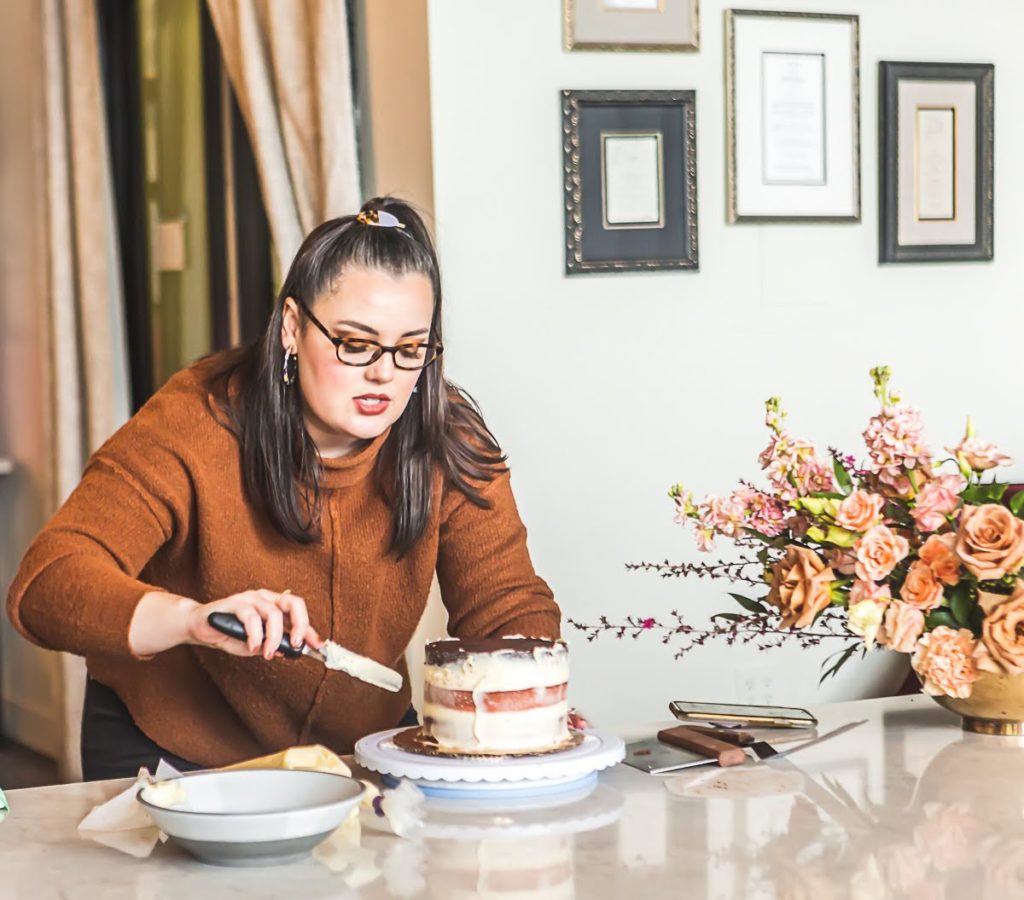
column 502, row 670
column 508, row 700
column 528, row 729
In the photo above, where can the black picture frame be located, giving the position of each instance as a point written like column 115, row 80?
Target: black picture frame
column 590, row 244
column 890, row 74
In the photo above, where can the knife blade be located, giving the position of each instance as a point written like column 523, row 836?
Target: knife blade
column 655, row 757
column 334, row 656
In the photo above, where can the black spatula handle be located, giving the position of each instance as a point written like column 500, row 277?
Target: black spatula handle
column 231, row 625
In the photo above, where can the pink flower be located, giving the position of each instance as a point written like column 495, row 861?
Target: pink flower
column 901, row 627
column 868, row 590
column 860, row 511
column 716, row 516
column 980, row 455
column 878, row 552
column 793, row 467
column 647, row 624
column 895, row 442
column 723, row 516
column 936, row 500
column 947, row 661
column 767, row 514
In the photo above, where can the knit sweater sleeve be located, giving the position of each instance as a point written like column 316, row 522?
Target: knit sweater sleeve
column 487, row 579
column 78, row 585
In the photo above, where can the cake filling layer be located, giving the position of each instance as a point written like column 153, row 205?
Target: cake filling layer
column 536, row 728
column 495, row 701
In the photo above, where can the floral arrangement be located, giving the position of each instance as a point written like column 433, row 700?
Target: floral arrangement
column 918, row 555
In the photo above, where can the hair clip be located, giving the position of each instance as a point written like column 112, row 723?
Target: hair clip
column 379, row 217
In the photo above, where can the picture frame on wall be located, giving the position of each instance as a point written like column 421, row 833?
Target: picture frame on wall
column 630, row 180
column 936, row 132
column 792, row 116
column 670, row 25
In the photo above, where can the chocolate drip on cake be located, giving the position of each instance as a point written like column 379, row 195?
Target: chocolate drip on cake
column 438, row 653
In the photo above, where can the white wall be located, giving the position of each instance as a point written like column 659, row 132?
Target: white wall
column 607, row 389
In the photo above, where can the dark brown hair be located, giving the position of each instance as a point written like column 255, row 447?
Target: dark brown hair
column 441, row 428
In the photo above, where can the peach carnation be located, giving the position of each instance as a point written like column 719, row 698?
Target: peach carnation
column 946, row 661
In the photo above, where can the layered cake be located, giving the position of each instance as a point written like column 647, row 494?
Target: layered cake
column 496, row 695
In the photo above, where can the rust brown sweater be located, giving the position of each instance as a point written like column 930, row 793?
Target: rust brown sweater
column 161, row 506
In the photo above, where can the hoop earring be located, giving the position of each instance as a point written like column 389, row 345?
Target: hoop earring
column 290, row 368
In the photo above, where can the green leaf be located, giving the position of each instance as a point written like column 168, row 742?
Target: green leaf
column 834, row 669
column 748, row 604
column 977, row 494
column 1017, row 503
column 977, row 617
column 939, row 617
column 729, row 617
column 826, row 495
column 777, row 542
column 962, row 603
column 842, row 477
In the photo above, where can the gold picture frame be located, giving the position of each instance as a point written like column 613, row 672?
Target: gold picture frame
column 600, row 25
column 840, row 107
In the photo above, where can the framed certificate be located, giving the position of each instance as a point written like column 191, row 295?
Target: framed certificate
column 631, row 24
column 630, row 180
column 935, row 159
column 793, row 128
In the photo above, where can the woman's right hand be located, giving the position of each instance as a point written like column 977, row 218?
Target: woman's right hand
column 163, row 620
column 266, row 616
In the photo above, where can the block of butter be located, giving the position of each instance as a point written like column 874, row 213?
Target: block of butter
column 314, row 756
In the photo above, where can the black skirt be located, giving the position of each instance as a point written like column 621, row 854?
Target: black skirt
column 113, row 746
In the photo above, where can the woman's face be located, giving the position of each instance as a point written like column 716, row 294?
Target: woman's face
column 343, row 405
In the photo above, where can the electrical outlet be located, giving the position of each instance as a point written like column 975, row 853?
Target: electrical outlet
column 755, row 684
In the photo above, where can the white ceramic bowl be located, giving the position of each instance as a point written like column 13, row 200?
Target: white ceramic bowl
column 255, row 817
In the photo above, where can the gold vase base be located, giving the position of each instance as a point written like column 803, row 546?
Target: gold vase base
column 993, row 726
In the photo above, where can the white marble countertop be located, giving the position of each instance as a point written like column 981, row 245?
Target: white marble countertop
column 905, row 805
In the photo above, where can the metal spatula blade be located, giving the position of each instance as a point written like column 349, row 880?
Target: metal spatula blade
column 341, row 658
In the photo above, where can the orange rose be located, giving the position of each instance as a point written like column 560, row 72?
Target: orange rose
column 1002, row 631
column 938, row 552
column 990, row 541
column 921, row 588
column 878, row 552
column 860, row 511
column 946, row 660
column 800, row 586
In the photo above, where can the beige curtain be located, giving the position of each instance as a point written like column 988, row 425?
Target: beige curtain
column 289, row 65
column 87, row 352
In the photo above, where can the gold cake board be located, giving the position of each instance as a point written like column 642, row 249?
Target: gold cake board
column 416, row 740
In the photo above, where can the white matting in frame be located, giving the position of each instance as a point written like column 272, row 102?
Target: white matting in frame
column 936, row 162
column 793, row 116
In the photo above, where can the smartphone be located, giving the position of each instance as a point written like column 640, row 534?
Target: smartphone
column 743, row 714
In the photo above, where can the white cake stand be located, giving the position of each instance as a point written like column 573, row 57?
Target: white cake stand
column 570, row 770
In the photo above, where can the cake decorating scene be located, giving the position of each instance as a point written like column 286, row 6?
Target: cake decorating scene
column 420, row 479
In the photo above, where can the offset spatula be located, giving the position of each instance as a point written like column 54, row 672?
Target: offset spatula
column 334, row 657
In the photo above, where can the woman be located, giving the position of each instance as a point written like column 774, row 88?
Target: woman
column 310, row 484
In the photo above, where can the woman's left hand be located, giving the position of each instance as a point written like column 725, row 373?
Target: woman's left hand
column 577, row 721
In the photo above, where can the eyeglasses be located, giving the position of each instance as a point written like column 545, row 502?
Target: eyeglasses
column 411, row 355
